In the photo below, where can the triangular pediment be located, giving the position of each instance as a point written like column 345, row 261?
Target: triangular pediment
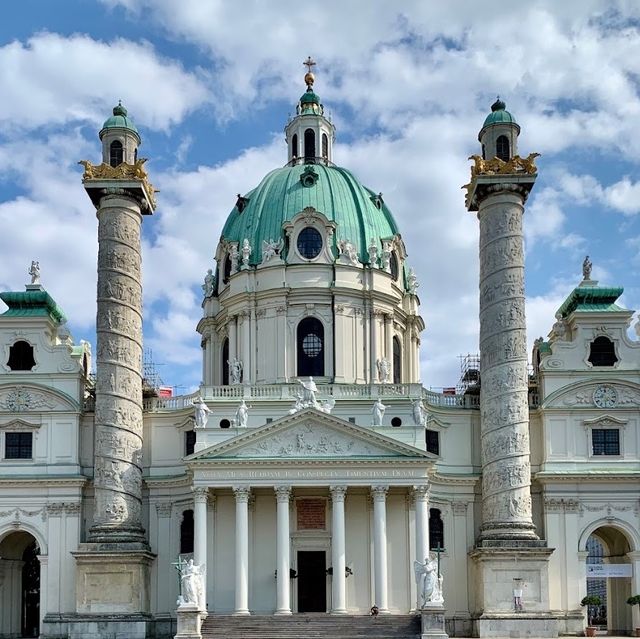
column 310, row 434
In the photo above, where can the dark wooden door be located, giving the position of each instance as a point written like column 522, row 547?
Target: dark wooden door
column 312, row 581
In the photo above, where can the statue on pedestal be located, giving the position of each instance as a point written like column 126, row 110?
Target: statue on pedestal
column 34, row 271
column 242, row 415
column 309, row 393
column 235, row 370
column 191, row 584
column 378, row 412
column 429, row 582
column 384, row 370
column 201, row 412
column 208, row 286
column 586, row 268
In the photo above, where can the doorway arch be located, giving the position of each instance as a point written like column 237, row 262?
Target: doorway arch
column 608, row 543
column 20, row 572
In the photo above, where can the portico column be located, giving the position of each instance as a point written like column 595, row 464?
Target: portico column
column 246, row 347
column 379, row 494
column 232, row 340
column 283, row 599
column 421, row 496
column 338, row 559
column 200, row 495
column 242, row 494
column 634, row 559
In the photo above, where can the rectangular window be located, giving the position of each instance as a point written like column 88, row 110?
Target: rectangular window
column 18, row 446
column 189, row 442
column 606, row 441
column 433, row 441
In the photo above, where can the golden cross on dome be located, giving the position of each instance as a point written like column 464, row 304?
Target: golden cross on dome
column 309, row 63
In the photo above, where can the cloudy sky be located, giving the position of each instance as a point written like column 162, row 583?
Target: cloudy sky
column 210, row 85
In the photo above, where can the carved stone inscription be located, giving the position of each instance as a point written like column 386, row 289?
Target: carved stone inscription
column 506, row 473
column 118, row 411
column 311, row 514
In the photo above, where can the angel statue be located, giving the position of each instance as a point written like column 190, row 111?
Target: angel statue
column 191, row 584
column 34, row 271
column 271, row 249
column 201, row 412
column 586, row 268
column 327, row 405
column 429, row 582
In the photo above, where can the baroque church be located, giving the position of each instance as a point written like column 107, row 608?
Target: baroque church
column 311, row 473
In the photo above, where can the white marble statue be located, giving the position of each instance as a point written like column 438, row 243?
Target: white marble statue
column 327, row 405
column 378, row 412
column 384, row 370
column 412, row 281
column 191, row 584
column 429, row 582
column 386, row 256
column 419, row 412
column 207, row 287
column 201, row 412
column 234, row 255
column 309, row 393
column 373, row 253
column 242, row 415
column 34, row 271
column 246, row 252
column 271, row 249
column 586, row 268
column 235, row 370
column 348, row 251
column 298, row 405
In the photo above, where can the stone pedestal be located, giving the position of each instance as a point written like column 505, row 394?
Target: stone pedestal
column 112, row 591
column 432, row 620
column 190, row 619
column 497, row 565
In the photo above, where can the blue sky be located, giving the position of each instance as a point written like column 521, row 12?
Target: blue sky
column 210, row 85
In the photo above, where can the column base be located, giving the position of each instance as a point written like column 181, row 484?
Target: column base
column 112, row 579
column 432, row 622
column 339, row 611
column 241, row 613
column 502, row 566
column 283, row 612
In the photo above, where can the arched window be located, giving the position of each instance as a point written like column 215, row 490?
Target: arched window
column 309, row 145
column 186, row 532
column 21, row 357
column 502, row 147
column 227, row 269
column 436, row 529
column 483, row 153
column 225, row 362
column 397, row 361
column 310, row 347
column 294, row 146
column 394, row 267
column 116, row 153
column 603, row 352
column 325, row 146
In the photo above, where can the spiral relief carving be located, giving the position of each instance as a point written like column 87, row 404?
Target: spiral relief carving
column 506, row 472
column 118, row 410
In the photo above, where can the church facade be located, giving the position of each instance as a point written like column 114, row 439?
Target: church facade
column 311, row 470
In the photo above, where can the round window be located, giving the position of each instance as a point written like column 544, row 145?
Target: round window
column 396, row 421
column 311, row 345
column 309, row 243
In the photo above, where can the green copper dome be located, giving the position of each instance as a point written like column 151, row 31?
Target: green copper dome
column 119, row 120
column 499, row 114
column 359, row 213
column 310, row 97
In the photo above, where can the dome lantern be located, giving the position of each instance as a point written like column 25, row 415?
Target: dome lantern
column 309, row 135
column 120, row 138
column 499, row 133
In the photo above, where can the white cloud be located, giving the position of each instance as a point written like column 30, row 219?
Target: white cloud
column 52, row 79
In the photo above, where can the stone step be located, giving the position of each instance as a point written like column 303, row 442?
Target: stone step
column 311, row 626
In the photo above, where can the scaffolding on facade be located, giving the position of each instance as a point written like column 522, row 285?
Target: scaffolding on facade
column 469, row 374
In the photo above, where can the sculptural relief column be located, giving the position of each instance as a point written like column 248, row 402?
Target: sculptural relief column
column 506, row 471
column 118, row 412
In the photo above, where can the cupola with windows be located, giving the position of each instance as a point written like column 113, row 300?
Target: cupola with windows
column 297, row 262
column 120, row 138
column 499, row 133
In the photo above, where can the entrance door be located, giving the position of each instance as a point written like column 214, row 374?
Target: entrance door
column 312, row 581
column 31, row 591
